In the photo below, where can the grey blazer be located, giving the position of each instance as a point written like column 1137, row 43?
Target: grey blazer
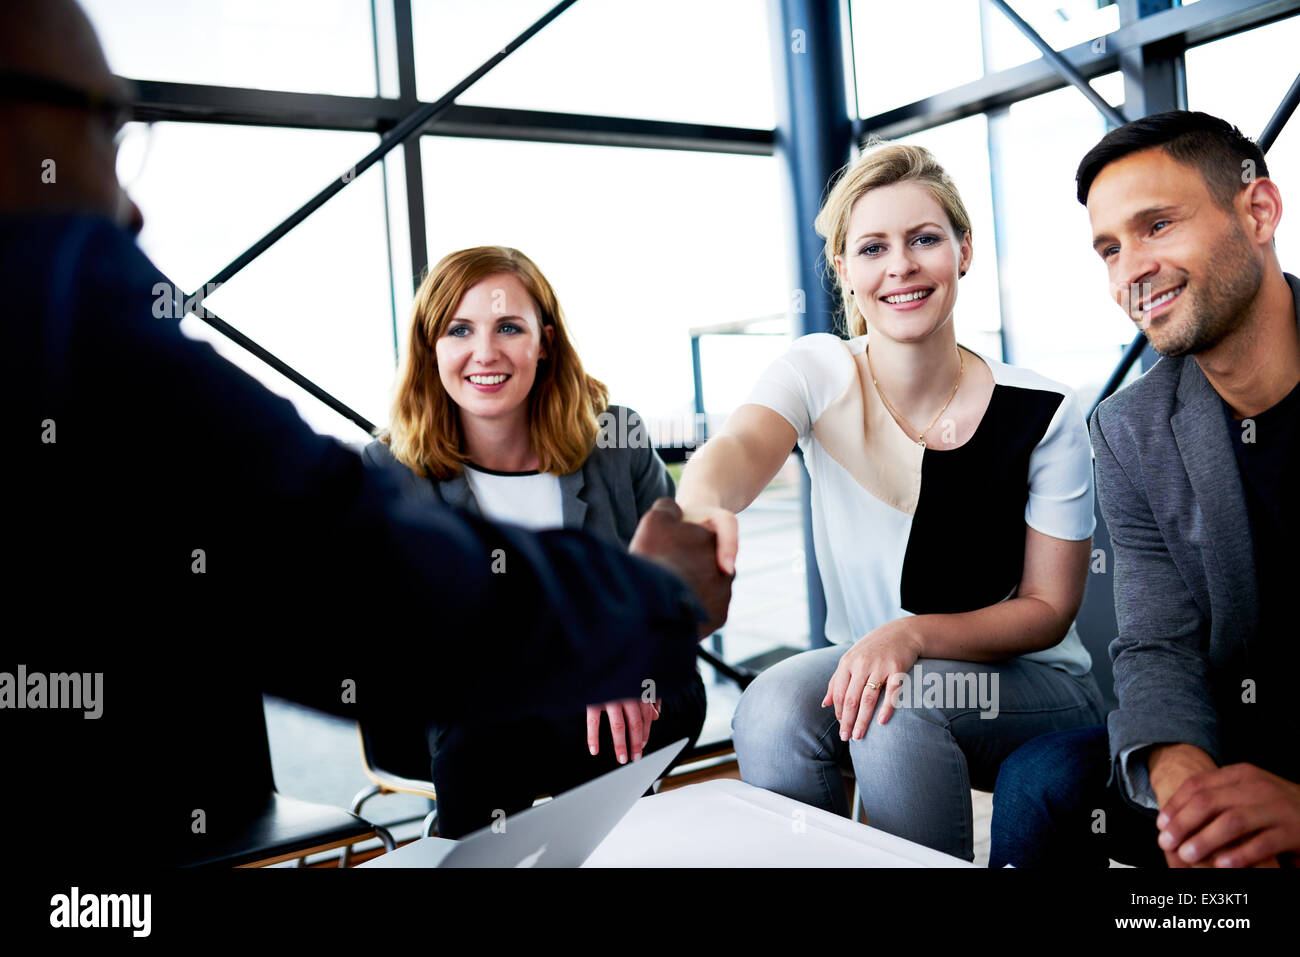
column 606, row 497
column 1186, row 595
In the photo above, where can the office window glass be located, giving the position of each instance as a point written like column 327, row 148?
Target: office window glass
column 321, row 298
column 307, row 46
column 675, row 60
column 1061, row 23
column 1058, row 316
column 905, row 51
column 1243, row 78
column 640, row 245
column 962, row 149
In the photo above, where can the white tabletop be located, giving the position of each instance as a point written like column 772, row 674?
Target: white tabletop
column 727, row 823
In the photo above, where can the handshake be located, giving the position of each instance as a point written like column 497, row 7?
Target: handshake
column 701, row 552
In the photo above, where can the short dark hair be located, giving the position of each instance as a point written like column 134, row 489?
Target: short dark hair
column 1214, row 146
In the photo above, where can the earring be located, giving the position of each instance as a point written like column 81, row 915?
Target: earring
column 850, row 292
column 960, row 274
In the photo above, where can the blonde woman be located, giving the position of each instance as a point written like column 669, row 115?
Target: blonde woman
column 952, row 505
column 494, row 413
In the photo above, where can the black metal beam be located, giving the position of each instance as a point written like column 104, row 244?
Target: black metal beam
column 583, row 129
column 412, row 161
column 1154, row 78
column 1280, row 116
column 190, row 103
column 279, row 365
column 159, row 101
column 815, row 139
column 1179, row 28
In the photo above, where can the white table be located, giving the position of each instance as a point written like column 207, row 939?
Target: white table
column 727, row 823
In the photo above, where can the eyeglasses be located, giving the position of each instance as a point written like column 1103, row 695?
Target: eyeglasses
column 130, row 138
column 132, row 144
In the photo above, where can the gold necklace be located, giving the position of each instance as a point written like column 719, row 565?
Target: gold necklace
column 920, row 436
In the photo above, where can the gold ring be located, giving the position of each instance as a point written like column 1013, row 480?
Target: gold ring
column 873, row 686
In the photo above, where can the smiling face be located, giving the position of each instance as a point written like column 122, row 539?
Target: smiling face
column 488, row 353
column 902, row 259
column 1180, row 265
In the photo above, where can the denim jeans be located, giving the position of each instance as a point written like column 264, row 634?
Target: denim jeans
column 1053, row 808
column 914, row 773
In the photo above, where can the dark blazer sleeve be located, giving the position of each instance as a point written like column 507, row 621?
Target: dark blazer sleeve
column 1160, row 662
column 304, row 543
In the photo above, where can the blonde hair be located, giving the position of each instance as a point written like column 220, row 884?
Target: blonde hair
column 563, row 405
column 881, row 164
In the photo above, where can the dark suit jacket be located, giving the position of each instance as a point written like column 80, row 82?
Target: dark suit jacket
column 606, row 497
column 185, row 534
column 1186, row 596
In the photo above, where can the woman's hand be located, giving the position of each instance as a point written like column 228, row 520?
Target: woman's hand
column 632, row 715
column 880, row 658
column 723, row 524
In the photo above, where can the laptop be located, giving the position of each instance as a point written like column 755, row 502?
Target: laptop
column 560, row 833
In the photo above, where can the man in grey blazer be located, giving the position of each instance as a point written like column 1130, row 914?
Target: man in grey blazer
column 1197, row 464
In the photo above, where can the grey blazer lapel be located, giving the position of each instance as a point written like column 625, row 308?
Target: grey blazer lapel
column 572, row 508
column 1205, row 444
column 456, row 492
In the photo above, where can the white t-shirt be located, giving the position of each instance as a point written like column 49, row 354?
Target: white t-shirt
column 530, row 499
column 900, row 529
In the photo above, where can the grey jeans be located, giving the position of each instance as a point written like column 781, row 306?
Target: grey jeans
column 915, row 773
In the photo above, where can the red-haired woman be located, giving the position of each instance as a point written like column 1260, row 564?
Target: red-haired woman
column 494, row 413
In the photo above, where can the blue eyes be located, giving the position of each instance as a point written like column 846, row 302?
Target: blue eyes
column 510, row 328
column 872, row 249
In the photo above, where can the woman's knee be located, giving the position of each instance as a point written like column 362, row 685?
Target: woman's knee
column 781, row 704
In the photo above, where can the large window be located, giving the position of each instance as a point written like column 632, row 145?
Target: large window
column 1059, row 317
column 321, row 298
column 678, row 60
column 640, row 245
column 308, row 46
column 1218, row 83
column 1061, row 23
column 899, row 56
column 962, row 149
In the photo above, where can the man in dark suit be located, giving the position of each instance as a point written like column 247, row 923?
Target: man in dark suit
column 1198, row 464
column 179, row 532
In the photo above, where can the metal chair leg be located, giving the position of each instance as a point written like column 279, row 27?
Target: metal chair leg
column 364, row 795
column 385, row 837
column 430, row 822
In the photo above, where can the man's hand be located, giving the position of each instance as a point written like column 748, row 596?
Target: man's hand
column 1238, row 816
column 633, row 715
column 689, row 551
column 1168, row 766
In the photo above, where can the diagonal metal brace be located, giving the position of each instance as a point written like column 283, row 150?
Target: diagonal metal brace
column 1062, row 65
column 404, row 129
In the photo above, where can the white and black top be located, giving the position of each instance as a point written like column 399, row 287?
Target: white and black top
column 903, row 529
column 530, row 499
